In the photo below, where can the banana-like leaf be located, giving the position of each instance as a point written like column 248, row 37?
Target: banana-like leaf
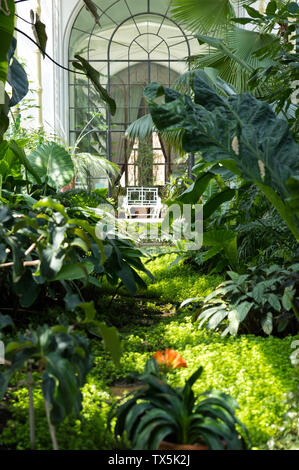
column 238, row 131
column 216, row 200
column 16, row 76
column 53, row 164
column 196, row 189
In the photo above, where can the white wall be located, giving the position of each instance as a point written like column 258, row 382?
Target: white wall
column 58, row 16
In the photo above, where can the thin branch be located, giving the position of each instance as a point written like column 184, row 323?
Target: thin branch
column 33, row 246
column 25, row 264
column 51, row 427
column 47, row 55
column 31, row 405
column 23, row 19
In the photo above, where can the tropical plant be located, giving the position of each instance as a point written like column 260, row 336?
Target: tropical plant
column 53, row 164
column 278, row 80
column 237, row 131
column 203, row 16
column 156, row 411
column 261, row 59
column 88, row 164
column 51, row 245
column 265, row 301
column 61, row 357
column 210, row 189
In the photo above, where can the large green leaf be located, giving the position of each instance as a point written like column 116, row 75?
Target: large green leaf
column 237, row 315
column 225, row 240
column 196, row 189
column 72, row 271
column 203, row 16
column 16, row 76
column 7, row 19
column 239, row 131
column 216, row 200
column 67, row 397
column 53, row 164
column 141, row 129
column 234, row 55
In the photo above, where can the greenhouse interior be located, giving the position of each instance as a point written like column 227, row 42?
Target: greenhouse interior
column 149, row 227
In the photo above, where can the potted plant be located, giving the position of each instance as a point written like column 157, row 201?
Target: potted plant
column 158, row 416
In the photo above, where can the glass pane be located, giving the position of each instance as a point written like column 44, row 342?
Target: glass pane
column 133, row 51
column 137, row 6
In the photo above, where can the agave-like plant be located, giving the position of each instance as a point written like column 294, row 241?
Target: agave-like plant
column 157, row 412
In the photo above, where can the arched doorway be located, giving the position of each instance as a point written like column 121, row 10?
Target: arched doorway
column 136, row 44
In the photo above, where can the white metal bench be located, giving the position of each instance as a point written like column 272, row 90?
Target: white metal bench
column 142, row 203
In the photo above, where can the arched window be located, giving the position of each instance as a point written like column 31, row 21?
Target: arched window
column 136, row 44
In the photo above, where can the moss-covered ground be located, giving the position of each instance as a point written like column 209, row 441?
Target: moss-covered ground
column 256, row 371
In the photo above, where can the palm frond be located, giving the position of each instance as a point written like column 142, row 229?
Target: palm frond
column 235, row 55
column 87, row 164
column 144, row 127
column 183, row 83
column 141, row 128
column 206, row 16
column 174, row 139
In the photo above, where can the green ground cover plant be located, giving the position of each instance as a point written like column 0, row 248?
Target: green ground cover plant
column 260, row 385
column 173, row 284
column 54, row 266
column 255, row 371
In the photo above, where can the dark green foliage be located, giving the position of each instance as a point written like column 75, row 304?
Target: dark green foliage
column 158, row 412
column 279, row 78
column 61, row 356
column 53, row 165
column 16, row 77
column 265, row 301
column 51, row 244
column 82, row 198
column 238, row 131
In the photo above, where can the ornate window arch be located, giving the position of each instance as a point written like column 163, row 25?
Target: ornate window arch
column 136, row 44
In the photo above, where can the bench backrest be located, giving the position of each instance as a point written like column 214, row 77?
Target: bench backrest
column 142, row 196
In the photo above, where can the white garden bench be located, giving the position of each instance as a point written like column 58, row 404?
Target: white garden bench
column 141, row 202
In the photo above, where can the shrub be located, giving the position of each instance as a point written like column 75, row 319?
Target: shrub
column 265, row 301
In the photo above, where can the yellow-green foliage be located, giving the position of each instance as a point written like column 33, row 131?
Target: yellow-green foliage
column 256, row 371
column 177, row 283
column 89, row 432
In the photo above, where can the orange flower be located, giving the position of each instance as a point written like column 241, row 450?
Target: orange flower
column 170, row 358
